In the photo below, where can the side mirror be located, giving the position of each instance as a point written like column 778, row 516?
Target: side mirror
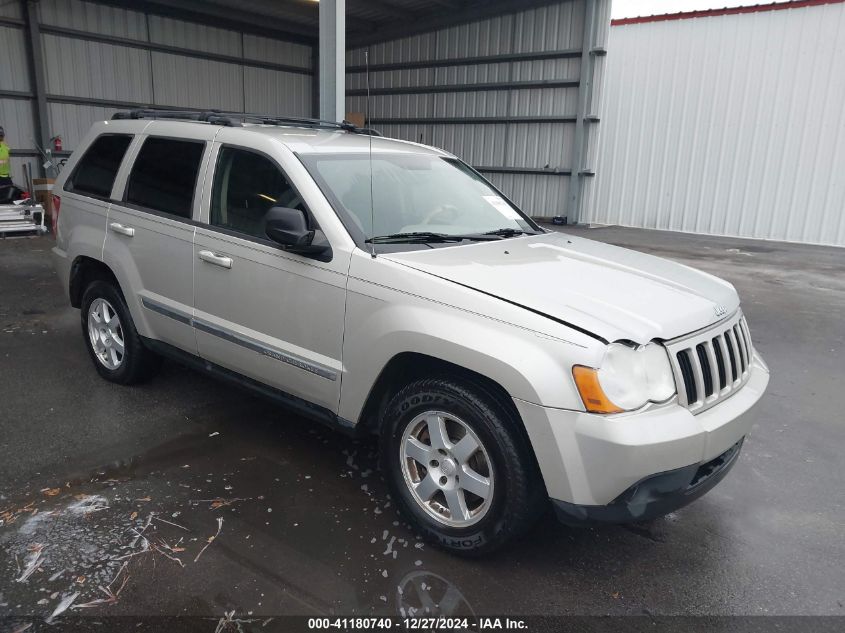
column 288, row 227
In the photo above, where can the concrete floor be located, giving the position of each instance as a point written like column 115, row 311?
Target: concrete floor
column 305, row 525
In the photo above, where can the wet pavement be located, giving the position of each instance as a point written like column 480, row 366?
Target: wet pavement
column 186, row 496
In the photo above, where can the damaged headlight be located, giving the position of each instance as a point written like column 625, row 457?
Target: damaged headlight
column 629, row 377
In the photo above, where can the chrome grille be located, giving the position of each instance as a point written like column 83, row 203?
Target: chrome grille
column 711, row 364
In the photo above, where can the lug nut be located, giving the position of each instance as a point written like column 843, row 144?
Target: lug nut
column 443, row 481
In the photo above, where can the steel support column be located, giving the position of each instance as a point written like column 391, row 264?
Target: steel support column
column 332, row 67
column 315, row 82
column 35, row 61
column 585, row 85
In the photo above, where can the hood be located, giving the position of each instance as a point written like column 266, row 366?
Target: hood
column 612, row 292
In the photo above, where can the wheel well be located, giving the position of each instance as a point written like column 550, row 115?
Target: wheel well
column 83, row 271
column 407, row 367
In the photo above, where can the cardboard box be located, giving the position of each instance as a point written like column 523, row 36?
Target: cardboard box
column 44, row 194
column 356, row 118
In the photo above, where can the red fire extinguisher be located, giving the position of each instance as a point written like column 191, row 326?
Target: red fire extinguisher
column 57, row 144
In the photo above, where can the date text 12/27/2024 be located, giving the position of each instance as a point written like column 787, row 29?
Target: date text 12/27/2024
column 417, row 624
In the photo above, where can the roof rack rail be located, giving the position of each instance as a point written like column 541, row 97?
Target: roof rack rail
column 235, row 119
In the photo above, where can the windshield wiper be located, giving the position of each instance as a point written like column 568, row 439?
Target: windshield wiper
column 425, row 236
column 506, row 232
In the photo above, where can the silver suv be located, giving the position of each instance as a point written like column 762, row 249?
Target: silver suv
column 385, row 287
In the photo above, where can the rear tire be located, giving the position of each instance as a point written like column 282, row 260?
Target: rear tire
column 459, row 466
column 110, row 336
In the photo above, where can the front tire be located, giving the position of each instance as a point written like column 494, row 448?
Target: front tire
column 111, row 338
column 459, row 466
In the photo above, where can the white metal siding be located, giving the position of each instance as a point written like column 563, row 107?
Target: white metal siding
column 13, row 75
column 10, row 10
column 274, row 91
column 276, row 51
column 93, row 18
column 499, row 145
column 729, row 125
column 197, row 83
column 533, row 192
column 79, row 69
column 73, row 121
column 195, row 36
column 16, row 119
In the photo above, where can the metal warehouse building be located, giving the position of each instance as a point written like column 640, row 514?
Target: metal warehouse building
column 727, row 122
column 510, row 86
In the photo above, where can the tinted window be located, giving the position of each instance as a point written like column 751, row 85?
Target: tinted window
column 164, row 175
column 246, row 186
column 97, row 169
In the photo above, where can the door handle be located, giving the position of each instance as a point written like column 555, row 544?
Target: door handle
column 214, row 258
column 128, row 231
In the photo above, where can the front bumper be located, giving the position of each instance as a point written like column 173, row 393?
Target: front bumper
column 655, row 496
column 600, row 461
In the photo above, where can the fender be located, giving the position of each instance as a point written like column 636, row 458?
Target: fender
column 383, row 321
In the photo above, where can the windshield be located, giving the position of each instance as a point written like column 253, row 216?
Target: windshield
column 412, row 193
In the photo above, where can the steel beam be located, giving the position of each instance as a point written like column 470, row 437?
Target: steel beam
column 15, row 94
column 470, row 120
column 12, row 22
column 35, row 61
column 467, row 12
column 479, row 87
column 538, row 171
column 174, row 50
column 315, row 82
column 470, row 61
column 332, row 62
column 585, row 85
column 385, row 7
column 218, row 16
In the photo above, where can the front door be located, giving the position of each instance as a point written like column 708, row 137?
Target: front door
column 268, row 314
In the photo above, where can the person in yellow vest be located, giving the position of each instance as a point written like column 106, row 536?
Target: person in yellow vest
column 5, row 162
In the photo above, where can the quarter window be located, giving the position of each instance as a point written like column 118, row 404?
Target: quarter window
column 246, row 186
column 96, row 171
column 164, row 175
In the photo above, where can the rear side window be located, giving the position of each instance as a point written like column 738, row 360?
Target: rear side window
column 96, row 171
column 164, row 175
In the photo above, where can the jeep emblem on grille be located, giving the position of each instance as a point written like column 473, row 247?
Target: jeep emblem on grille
column 720, row 310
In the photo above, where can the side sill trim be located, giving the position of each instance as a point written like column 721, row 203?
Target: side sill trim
column 165, row 311
column 244, row 341
column 299, row 405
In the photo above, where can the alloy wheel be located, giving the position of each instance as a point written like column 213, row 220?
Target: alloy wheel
column 106, row 334
column 447, row 469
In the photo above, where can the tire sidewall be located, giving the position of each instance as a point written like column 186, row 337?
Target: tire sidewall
column 485, row 534
column 105, row 290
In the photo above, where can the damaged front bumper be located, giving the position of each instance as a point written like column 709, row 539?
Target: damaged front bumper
column 654, row 496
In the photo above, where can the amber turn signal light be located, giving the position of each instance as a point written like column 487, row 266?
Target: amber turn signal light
column 595, row 400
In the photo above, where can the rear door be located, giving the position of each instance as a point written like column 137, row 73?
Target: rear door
column 149, row 242
column 85, row 194
column 272, row 315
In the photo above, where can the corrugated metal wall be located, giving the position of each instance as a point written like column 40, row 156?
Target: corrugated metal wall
column 15, row 108
column 444, row 88
column 98, row 59
column 729, row 125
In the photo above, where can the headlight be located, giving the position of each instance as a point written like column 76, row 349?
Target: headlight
column 628, row 378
